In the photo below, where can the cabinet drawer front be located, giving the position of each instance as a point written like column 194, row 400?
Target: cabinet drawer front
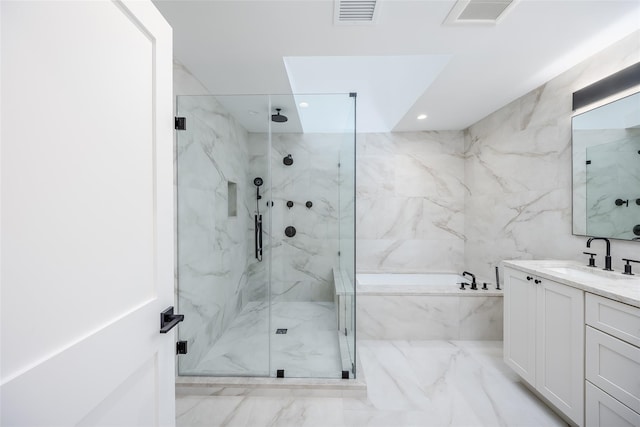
column 602, row 410
column 614, row 366
column 613, row 317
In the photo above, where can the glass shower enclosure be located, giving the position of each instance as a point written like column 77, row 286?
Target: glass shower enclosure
column 266, row 235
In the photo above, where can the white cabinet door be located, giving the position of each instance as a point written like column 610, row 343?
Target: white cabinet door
column 602, row 410
column 520, row 323
column 560, row 347
column 87, row 208
column 614, row 366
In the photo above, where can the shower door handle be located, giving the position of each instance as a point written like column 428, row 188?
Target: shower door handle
column 168, row 320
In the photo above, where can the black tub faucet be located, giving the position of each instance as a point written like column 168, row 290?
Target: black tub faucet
column 607, row 257
column 474, row 286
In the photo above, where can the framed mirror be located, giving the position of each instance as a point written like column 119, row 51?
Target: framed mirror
column 606, row 170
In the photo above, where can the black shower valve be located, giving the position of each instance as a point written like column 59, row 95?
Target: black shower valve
column 620, row 202
column 308, row 204
column 638, row 202
column 289, row 204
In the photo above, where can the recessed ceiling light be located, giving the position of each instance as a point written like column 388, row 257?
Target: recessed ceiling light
column 422, row 116
column 304, row 104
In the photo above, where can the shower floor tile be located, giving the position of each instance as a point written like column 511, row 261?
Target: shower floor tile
column 310, row 348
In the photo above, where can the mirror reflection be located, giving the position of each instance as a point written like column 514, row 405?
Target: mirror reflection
column 606, row 170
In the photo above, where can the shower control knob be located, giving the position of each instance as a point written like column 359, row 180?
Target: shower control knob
column 529, row 278
column 289, row 204
column 290, row 231
column 620, row 202
column 308, row 205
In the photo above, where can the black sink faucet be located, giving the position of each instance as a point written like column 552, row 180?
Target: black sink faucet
column 607, row 257
column 474, row 286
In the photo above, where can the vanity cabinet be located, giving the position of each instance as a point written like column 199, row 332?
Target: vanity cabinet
column 612, row 362
column 544, row 338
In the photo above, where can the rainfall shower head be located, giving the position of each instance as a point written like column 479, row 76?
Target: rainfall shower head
column 258, row 182
column 279, row 118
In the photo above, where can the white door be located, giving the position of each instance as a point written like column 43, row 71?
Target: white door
column 87, row 207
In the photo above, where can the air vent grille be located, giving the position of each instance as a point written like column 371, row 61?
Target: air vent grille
column 355, row 11
column 478, row 11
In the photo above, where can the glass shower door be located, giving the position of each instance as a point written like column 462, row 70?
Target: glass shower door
column 222, row 218
column 265, row 235
column 312, row 198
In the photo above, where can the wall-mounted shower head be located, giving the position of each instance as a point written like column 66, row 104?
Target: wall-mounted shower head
column 279, row 118
column 258, row 181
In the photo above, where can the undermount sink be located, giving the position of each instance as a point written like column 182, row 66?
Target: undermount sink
column 588, row 273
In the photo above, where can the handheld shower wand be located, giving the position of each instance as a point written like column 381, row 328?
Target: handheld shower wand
column 257, row 220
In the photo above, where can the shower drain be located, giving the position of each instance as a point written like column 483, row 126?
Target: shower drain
column 281, row 331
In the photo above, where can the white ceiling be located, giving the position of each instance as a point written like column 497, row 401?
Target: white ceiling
column 405, row 64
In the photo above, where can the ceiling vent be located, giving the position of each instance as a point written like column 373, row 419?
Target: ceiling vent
column 487, row 12
column 355, row 11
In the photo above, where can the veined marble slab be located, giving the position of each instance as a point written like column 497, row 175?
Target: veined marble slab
column 613, row 285
column 409, row 383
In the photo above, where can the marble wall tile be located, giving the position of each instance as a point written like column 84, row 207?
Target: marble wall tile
column 302, row 265
column 518, row 172
column 410, row 201
column 410, row 255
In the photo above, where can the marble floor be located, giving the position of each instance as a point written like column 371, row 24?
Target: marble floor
column 410, row 383
column 310, row 348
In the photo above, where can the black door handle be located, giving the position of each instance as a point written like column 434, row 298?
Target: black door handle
column 168, row 320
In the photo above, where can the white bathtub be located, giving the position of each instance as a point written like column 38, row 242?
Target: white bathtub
column 426, row 307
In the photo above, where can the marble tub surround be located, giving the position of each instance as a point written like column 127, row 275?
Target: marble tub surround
column 429, row 317
column 426, row 307
column 518, row 172
column 410, row 201
column 612, row 285
column 409, row 383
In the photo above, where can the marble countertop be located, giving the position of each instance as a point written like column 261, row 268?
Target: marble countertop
column 613, row 285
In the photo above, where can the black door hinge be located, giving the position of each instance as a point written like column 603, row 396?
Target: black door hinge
column 180, row 123
column 181, row 347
